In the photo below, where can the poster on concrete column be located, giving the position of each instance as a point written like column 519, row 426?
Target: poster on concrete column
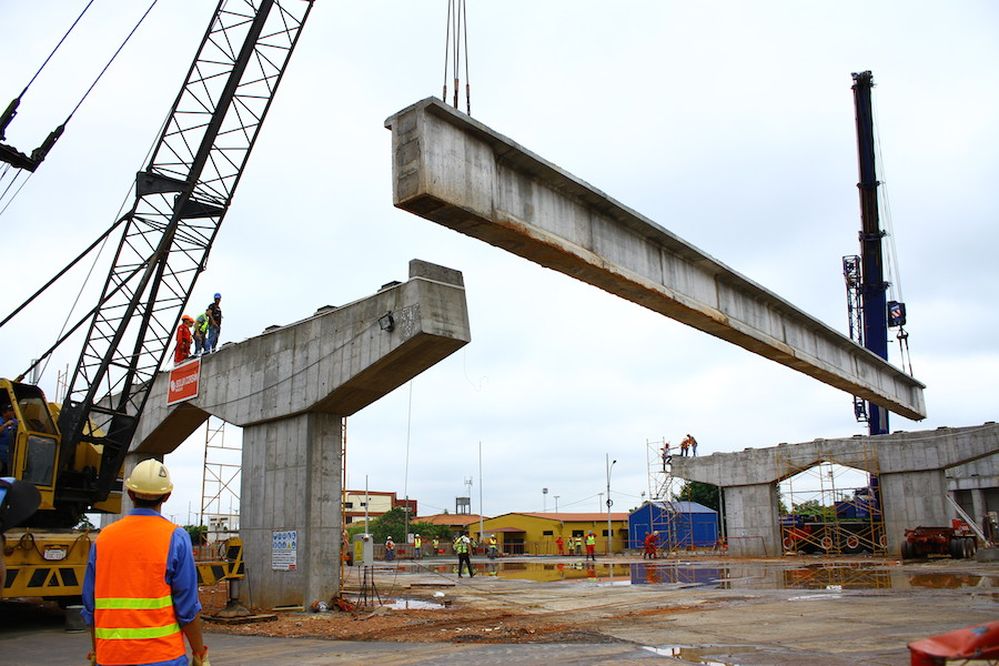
column 284, row 551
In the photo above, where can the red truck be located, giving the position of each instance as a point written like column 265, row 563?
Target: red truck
column 958, row 541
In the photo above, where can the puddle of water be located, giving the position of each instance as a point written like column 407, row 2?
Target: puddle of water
column 414, row 604
column 686, row 654
column 815, row 576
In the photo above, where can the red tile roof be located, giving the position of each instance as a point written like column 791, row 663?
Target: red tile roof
column 450, row 519
column 578, row 517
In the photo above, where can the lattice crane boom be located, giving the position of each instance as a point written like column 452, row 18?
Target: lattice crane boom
column 181, row 198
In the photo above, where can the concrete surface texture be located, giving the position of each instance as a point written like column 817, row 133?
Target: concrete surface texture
column 290, row 389
column 911, row 468
column 701, row 610
column 457, row 172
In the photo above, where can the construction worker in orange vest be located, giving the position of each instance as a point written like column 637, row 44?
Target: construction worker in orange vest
column 140, row 591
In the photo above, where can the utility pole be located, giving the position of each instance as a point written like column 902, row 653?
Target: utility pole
column 610, row 503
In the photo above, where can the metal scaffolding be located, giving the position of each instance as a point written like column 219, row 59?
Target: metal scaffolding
column 825, row 511
column 220, row 482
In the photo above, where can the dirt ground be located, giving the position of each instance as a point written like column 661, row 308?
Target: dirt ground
column 702, row 610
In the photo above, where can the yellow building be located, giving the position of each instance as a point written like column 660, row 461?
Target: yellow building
column 538, row 533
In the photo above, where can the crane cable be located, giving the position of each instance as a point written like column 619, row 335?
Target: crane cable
column 43, row 150
column 457, row 18
column 894, row 270
column 54, row 50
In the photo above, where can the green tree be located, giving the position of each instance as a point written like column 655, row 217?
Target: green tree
column 391, row 523
column 702, row 493
column 198, row 533
column 813, row 507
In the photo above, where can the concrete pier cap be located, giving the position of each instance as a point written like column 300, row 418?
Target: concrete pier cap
column 453, row 170
column 290, row 389
column 911, row 468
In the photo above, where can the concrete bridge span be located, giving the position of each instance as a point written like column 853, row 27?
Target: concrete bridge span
column 290, row 389
column 911, row 467
column 455, row 171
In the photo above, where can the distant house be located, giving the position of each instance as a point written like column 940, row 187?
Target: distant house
column 536, row 533
column 377, row 502
column 455, row 521
column 681, row 525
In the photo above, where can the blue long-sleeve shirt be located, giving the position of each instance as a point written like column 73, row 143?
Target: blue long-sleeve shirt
column 181, row 576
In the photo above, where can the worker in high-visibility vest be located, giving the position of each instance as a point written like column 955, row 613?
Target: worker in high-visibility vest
column 493, row 547
column 591, row 546
column 417, row 547
column 462, row 546
column 140, row 591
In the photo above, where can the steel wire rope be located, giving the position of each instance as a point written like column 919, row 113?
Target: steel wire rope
column 113, row 57
column 447, row 47
column 55, row 49
column 468, row 81
column 119, row 218
column 894, row 267
column 457, row 48
column 894, row 270
column 85, row 94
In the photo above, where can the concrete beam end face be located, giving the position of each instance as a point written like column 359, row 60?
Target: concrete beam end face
column 335, row 362
column 452, row 170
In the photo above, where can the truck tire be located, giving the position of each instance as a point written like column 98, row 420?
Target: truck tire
column 908, row 551
column 957, row 548
column 969, row 547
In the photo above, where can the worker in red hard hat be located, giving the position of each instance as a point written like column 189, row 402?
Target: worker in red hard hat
column 184, row 339
column 140, row 591
column 651, row 545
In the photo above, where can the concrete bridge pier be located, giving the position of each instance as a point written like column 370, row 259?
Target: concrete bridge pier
column 290, row 389
column 293, row 477
column 752, row 520
column 911, row 499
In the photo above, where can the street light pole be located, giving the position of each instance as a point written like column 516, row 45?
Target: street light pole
column 610, row 503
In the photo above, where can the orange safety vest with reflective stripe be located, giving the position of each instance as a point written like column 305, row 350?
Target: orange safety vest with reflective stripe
column 134, row 620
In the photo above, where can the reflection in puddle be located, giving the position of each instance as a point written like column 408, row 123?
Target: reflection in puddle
column 835, row 576
column 413, row 604
column 687, row 655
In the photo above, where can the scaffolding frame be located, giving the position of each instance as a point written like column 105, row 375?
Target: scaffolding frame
column 850, row 519
column 664, row 517
column 220, row 481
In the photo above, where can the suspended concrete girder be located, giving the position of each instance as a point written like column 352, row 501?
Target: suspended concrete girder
column 289, row 388
column 453, row 170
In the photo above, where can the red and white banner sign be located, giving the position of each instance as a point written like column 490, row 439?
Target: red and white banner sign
column 184, row 381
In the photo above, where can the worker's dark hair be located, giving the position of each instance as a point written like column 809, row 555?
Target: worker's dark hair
column 146, row 503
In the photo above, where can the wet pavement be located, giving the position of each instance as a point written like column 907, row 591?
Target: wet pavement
column 693, row 610
column 870, row 575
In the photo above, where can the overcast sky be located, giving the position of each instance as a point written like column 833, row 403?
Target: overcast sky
column 729, row 123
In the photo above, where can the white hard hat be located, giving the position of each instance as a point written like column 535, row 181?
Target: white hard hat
column 150, row 479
